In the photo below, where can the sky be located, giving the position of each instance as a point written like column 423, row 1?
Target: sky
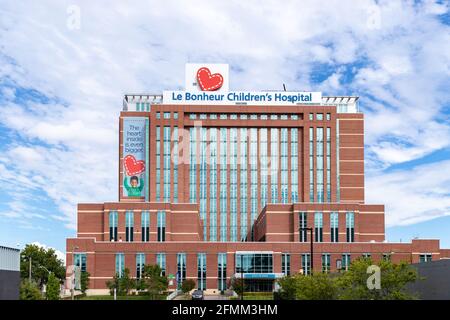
column 65, row 66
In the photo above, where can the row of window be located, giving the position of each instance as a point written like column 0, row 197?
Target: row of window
column 166, row 115
column 245, row 263
column 145, row 226
column 243, row 116
column 319, row 116
column 334, row 226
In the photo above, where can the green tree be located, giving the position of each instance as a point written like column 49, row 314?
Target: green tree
column 187, row 285
column 84, row 281
column 153, row 281
column 114, row 284
column 394, row 279
column 288, row 287
column 126, row 283
column 41, row 259
column 29, row 291
column 53, row 287
column 318, row 286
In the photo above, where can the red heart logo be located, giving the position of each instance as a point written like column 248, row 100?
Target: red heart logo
column 208, row 81
column 132, row 166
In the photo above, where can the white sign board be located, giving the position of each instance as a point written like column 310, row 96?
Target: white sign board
column 241, row 97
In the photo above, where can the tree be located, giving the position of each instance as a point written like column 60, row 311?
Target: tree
column 53, row 287
column 153, row 280
column 126, row 283
column 288, row 288
column 114, row 284
column 29, row 291
column 238, row 285
column 318, row 286
column 41, row 259
column 84, row 281
column 187, row 285
column 394, row 279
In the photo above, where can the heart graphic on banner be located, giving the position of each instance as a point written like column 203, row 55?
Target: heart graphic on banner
column 133, row 166
column 208, row 81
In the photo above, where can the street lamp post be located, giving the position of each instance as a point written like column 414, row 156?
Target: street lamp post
column 311, row 246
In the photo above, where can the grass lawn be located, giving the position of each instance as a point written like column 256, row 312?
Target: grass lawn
column 109, row 297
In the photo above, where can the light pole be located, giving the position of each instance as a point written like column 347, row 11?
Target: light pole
column 72, row 282
column 311, row 246
column 242, row 276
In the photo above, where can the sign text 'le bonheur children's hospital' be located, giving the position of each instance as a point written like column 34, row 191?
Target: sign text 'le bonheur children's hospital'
column 208, row 84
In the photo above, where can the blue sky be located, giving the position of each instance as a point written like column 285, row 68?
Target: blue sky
column 64, row 67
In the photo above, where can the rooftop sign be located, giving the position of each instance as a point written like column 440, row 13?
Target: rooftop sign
column 208, row 84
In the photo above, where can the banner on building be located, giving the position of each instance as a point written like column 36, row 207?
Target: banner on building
column 135, row 156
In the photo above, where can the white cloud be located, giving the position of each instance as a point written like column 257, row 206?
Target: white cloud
column 68, row 145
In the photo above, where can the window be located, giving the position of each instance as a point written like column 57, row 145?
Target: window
column 175, row 164
column 244, row 185
column 213, row 116
column 386, row 256
column 346, row 261
column 175, row 115
column 223, row 116
column 203, row 116
column 318, row 227
column 233, row 116
column 201, row 271
column 166, row 115
column 284, row 164
column 181, row 268
column 334, row 224
column 326, row 262
column 113, row 217
column 425, row 257
column 161, row 225
column 264, row 173
column 158, row 115
column 328, row 116
column 274, row 165
column 212, row 184
column 253, row 116
column 306, row 263
column 328, row 153
column 311, row 164
column 294, row 116
column 243, row 116
column 302, row 224
column 254, row 263
column 129, row 226
column 203, row 174
column 319, row 116
column 294, row 165
column 350, row 226
column 253, row 177
column 273, row 117
column 120, row 264
column 158, row 164
column 311, row 116
column 286, row 264
column 367, row 255
column 161, row 262
column 167, row 162
column 319, row 164
column 192, row 116
column 222, row 271
column 80, row 261
column 283, row 117
column 264, row 117
column 223, row 185
column 145, row 226
column 140, row 262
column 193, row 165
column 233, row 184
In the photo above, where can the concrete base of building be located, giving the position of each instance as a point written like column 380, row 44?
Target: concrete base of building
column 97, row 292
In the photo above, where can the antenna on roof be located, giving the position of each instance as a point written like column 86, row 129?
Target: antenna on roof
column 284, row 87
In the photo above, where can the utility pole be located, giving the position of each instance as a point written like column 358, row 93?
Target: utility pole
column 311, row 249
